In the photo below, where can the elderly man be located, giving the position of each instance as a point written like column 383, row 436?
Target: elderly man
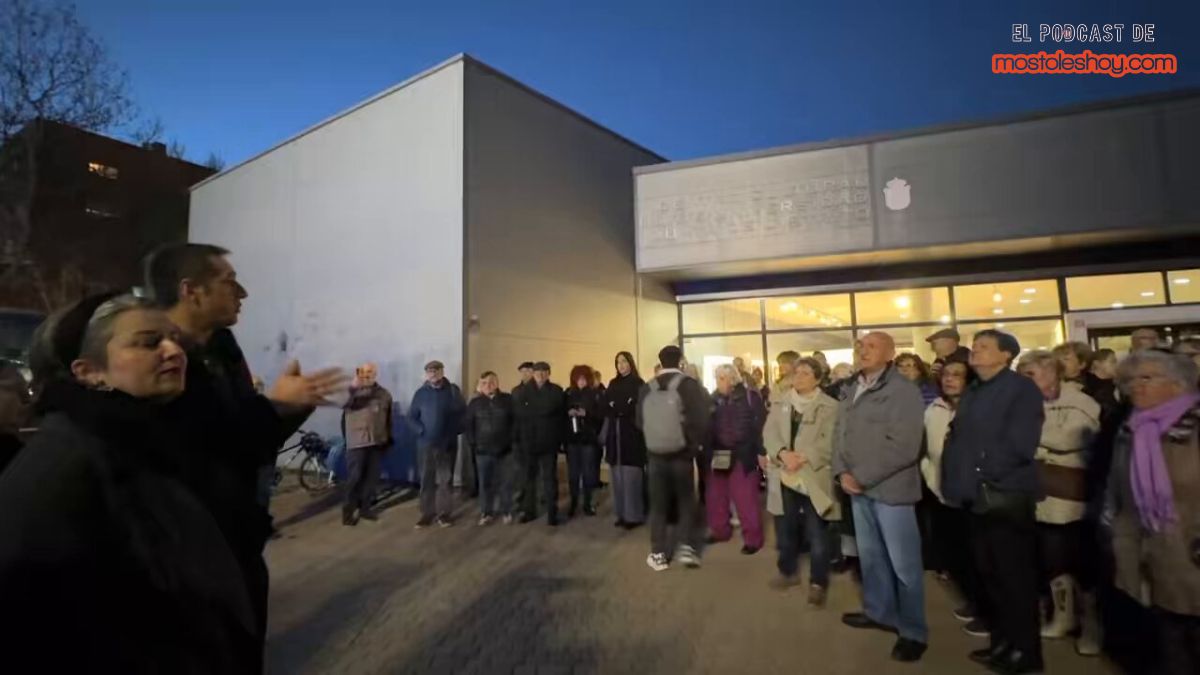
column 877, row 445
column 946, row 346
column 1144, row 338
column 367, row 428
column 436, row 416
column 541, row 416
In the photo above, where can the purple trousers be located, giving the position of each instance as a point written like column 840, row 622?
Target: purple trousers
column 741, row 486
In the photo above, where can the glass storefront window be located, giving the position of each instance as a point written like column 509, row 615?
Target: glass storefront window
column 838, row 347
column 722, row 316
column 1045, row 334
column 908, row 306
column 1008, row 300
column 808, row 311
column 1114, row 291
column 706, row 353
column 1184, row 285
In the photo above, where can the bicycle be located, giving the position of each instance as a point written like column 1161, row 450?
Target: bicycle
column 314, row 475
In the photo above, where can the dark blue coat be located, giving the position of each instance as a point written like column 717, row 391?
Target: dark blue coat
column 993, row 438
column 436, row 413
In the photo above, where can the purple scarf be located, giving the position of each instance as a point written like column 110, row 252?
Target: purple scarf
column 1147, row 469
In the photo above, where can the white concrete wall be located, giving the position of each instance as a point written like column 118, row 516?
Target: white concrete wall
column 550, row 244
column 350, row 239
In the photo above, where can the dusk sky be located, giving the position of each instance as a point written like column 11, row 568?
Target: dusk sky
column 685, row 79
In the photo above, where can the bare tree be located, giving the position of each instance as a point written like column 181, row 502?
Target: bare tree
column 215, row 162
column 176, row 149
column 51, row 69
column 149, row 131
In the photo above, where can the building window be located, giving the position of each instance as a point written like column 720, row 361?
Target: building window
column 1114, row 291
column 838, row 347
column 808, row 311
column 706, row 353
column 102, row 170
column 1001, row 301
column 1184, row 285
column 1044, row 334
column 723, row 316
column 919, row 305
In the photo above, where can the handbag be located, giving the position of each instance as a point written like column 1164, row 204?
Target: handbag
column 722, row 460
column 1014, row 506
column 1063, row 482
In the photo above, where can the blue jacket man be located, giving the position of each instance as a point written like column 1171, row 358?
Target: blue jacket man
column 436, row 415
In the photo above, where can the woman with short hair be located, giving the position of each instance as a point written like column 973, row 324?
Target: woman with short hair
column 732, row 459
column 916, row 371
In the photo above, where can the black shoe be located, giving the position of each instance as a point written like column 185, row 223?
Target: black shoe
column 710, row 540
column 620, row 523
column 552, row 521
column 528, row 518
column 977, row 628
column 589, row 510
column 860, row 620
column 424, row 522
column 368, row 514
column 749, row 550
column 1016, row 662
column 908, row 651
column 966, row 613
column 571, row 511
column 986, row 656
column 349, row 519
column 633, row 526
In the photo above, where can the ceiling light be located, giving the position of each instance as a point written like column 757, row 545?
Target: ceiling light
column 901, row 302
column 996, row 297
column 1118, row 305
column 997, row 311
column 1147, row 294
column 999, row 325
column 1182, row 280
column 903, row 316
column 945, row 318
column 1026, row 301
column 1030, row 291
column 789, row 306
column 812, row 312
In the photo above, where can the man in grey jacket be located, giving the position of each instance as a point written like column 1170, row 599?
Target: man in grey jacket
column 876, row 448
column 367, row 427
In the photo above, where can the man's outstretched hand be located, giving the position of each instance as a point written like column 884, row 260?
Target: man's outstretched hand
column 307, row 391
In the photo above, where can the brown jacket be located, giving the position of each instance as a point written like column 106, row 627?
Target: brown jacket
column 1161, row 569
column 367, row 419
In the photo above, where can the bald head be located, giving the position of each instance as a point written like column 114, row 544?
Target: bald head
column 366, row 374
column 875, row 350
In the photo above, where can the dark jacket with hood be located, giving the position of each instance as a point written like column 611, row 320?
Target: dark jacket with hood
column 623, row 440
column 489, row 424
column 109, row 562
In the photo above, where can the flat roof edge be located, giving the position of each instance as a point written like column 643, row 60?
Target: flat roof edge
column 1061, row 111
column 457, row 58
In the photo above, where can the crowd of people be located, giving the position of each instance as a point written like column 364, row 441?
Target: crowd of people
column 1056, row 492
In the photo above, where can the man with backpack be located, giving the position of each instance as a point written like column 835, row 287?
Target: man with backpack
column 673, row 413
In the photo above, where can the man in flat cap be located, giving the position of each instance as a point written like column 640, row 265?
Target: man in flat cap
column 541, row 413
column 946, row 345
column 436, row 417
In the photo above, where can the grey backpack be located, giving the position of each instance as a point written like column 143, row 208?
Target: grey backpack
column 662, row 417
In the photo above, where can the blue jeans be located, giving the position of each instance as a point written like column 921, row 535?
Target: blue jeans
column 495, row 484
column 581, row 464
column 889, row 548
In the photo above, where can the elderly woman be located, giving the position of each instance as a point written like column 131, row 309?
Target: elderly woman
column 917, row 371
column 1072, row 420
column 1153, row 501
column 1076, row 359
column 732, row 459
column 799, row 441
column 101, row 538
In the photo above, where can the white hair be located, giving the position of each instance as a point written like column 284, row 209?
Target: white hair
column 729, row 371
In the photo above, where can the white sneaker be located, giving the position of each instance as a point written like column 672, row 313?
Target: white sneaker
column 687, row 555
column 485, row 521
column 658, row 562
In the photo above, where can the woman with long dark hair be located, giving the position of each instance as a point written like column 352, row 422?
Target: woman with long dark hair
column 626, row 448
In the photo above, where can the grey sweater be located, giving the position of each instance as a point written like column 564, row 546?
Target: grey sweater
column 878, row 438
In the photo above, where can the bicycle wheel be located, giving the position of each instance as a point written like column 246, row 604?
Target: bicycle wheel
column 314, row 477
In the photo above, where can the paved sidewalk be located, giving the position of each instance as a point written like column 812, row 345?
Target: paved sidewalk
column 383, row 598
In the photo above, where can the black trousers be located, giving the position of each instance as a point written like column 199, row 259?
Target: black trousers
column 672, row 488
column 545, row 464
column 1006, row 560
column 1179, row 643
column 953, row 548
column 1061, row 548
column 362, row 468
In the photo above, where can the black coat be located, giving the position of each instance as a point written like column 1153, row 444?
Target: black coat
column 623, row 440
column 108, row 561
column 488, row 425
column 540, row 413
column 590, row 402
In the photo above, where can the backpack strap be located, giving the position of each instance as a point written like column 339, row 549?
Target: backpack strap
column 674, row 382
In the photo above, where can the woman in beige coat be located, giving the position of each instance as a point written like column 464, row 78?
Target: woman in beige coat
column 799, row 441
